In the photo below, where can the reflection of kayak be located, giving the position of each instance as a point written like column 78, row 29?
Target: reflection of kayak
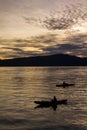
column 64, row 85
column 51, row 103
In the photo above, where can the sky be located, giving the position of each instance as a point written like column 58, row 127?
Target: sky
column 42, row 27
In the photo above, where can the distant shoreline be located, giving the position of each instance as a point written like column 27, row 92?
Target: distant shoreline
column 50, row 60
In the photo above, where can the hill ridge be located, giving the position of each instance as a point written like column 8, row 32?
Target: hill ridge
column 47, row 60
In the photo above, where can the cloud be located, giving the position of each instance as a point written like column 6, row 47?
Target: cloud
column 61, row 20
column 44, row 45
column 31, row 20
column 68, row 18
column 12, row 48
column 77, row 39
column 75, row 45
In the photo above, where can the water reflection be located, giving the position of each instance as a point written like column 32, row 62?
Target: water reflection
column 54, row 107
column 21, row 86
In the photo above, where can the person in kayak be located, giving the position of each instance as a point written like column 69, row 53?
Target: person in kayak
column 64, row 83
column 54, row 100
column 54, row 103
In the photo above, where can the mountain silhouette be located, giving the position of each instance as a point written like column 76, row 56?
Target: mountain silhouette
column 49, row 60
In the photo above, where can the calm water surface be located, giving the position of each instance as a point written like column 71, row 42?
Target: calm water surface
column 21, row 86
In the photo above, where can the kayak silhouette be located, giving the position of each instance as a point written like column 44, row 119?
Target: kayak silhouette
column 64, row 84
column 52, row 103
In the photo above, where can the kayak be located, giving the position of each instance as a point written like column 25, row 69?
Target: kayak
column 50, row 103
column 53, row 103
column 64, row 85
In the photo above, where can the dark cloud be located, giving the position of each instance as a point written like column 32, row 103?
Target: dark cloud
column 44, row 44
column 71, row 15
column 60, row 48
column 12, row 49
column 67, row 49
column 76, row 45
column 12, row 52
column 77, row 39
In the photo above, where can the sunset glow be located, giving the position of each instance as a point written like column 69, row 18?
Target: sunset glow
column 38, row 27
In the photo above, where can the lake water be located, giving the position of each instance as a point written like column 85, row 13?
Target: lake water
column 21, row 86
